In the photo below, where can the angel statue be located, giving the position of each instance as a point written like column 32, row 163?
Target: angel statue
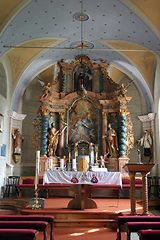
column 46, row 88
column 123, row 89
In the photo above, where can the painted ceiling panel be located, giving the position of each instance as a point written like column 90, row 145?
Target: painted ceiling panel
column 7, row 6
column 143, row 59
column 20, row 57
column 151, row 8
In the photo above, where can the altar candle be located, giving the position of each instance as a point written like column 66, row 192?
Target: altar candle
column 62, row 163
column 37, row 168
column 50, row 164
column 74, row 164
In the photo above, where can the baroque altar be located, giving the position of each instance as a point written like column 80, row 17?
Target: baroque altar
column 79, row 109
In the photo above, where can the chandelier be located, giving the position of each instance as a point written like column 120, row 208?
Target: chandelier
column 81, row 91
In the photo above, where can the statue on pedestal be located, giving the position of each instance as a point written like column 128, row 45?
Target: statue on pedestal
column 53, row 137
column 111, row 141
column 146, row 142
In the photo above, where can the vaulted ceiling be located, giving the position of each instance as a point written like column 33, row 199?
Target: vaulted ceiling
column 35, row 34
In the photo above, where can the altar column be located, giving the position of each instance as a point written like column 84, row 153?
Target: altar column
column 104, row 130
column 122, row 133
column 44, row 132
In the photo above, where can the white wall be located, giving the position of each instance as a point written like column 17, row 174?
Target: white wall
column 157, row 111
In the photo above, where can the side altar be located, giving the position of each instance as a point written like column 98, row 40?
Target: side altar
column 83, row 119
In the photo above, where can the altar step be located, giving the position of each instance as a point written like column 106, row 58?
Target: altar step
column 110, row 223
column 20, row 203
column 85, row 220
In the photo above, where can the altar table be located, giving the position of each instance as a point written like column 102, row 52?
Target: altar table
column 80, row 177
column 83, row 184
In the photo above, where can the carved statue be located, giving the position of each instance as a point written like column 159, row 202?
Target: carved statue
column 123, row 89
column 53, row 136
column 46, row 90
column 146, row 142
column 18, row 139
column 102, row 162
column 111, row 141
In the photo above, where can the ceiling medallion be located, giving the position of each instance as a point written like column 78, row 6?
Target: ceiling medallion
column 82, row 45
column 81, row 16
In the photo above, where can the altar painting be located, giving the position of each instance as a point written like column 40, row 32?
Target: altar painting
column 83, row 122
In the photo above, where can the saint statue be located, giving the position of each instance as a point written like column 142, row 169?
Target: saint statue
column 111, row 141
column 18, row 139
column 53, row 137
column 146, row 142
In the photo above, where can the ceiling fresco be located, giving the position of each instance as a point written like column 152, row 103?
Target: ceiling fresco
column 36, row 34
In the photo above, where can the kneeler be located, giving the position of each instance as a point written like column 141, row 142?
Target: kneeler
column 121, row 220
column 136, row 226
column 37, row 225
column 46, row 218
column 18, row 234
column 149, row 234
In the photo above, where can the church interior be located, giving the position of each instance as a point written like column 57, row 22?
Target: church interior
column 79, row 97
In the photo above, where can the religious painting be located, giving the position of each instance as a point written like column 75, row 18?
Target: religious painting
column 83, row 122
column 84, row 76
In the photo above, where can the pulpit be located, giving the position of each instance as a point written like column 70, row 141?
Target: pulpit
column 143, row 169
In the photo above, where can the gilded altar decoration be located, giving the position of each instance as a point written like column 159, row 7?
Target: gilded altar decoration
column 82, row 102
column 82, row 164
column 129, row 133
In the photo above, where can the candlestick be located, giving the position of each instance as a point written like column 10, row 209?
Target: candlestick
column 62, row 164
column 74, row 164
column 50, row 164
column 37, row 169
column 36, row 205
column 69, row 160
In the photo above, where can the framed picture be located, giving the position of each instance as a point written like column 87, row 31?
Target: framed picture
column 1, row 122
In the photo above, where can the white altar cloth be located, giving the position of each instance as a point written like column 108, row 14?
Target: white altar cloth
column 80, row 177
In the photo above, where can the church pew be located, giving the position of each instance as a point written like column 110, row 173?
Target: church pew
column 46, row 218
column 53, row 186
column 109, row 186
column 149, row 234
column 18, row 234
column 27, row 182
column 126, row 184
column 121, row 220
column 37, row 225
column 136, row 226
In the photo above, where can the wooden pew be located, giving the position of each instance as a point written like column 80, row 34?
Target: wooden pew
column 28, row 182
column 136, row 226
column 149, row 234
column 46, row 218
column 37, row 225
column 121, row 220
column 126, row 184
column 109, row 187
column 18, row 234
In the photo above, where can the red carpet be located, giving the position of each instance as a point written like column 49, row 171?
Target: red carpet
column 108, row 205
